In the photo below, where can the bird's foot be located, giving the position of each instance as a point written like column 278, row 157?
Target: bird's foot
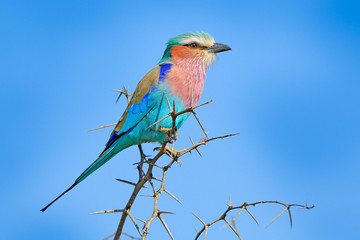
column 173, row 151
column 170, row 151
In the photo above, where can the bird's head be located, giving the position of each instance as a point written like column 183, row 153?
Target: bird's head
column 191, row 46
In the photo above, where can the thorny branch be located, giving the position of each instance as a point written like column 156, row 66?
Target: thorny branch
column 146, row 176
column 242, row 207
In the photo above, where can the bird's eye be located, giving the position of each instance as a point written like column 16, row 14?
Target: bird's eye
column 192, row 45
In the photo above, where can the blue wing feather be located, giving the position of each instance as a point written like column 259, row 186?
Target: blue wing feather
column 138, row 111
column 163, row 70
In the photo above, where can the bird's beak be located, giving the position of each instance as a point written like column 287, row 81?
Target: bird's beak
column 218, row 47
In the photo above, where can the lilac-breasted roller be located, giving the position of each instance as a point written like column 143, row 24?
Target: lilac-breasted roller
column 180, row 77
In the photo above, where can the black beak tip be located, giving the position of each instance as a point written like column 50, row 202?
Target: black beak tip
column 219, row 47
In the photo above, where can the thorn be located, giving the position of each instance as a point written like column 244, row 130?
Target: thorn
column 118, row 97
column 147, row 195
column 232, row 228
column 197, row 150
column 173, row 196
column 104, row 126
column 168, row 103
column 156, row 179
column 203, row 104
column 232, row 222
column 252, row 216
column 277, row 216
column 198, row 120
column 205, row 234
column 199, row 219
column 116, row 90
column 140, row 220
column 124, row 91
column 134, row 222
column 131, row 183
column 165, row 212
column 165, row 226
column 239, row 212
column 111, row 235
column 157, row 122
column 290, row 217
column 107, row 211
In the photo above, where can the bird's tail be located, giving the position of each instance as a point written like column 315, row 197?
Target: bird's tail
column 105, row 156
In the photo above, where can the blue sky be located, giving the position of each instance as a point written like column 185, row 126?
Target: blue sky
column 290, row 86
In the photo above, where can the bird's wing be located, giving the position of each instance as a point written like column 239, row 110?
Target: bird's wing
column 140, row 104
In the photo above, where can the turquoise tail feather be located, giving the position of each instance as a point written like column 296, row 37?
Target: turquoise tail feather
column 105, row 156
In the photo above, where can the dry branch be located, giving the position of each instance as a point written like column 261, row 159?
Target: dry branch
column 245, row 206
column 145, row 169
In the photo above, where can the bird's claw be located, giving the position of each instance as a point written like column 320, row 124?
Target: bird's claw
column 173, row 151
column 170, row 151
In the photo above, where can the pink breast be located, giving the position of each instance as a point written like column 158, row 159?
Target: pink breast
column 186, row 78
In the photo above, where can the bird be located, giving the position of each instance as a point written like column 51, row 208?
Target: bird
column 178, row 77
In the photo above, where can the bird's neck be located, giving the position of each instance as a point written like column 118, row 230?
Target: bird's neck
column 186, row 78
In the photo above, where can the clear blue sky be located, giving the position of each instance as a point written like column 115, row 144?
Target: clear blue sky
column 290, row 86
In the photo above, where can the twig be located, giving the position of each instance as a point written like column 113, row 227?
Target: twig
column 105, row 126
column 108, row 211
column 245, row 206
column 125, row 92
column 165, row 226
column 171, row 195
column 131, row 183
